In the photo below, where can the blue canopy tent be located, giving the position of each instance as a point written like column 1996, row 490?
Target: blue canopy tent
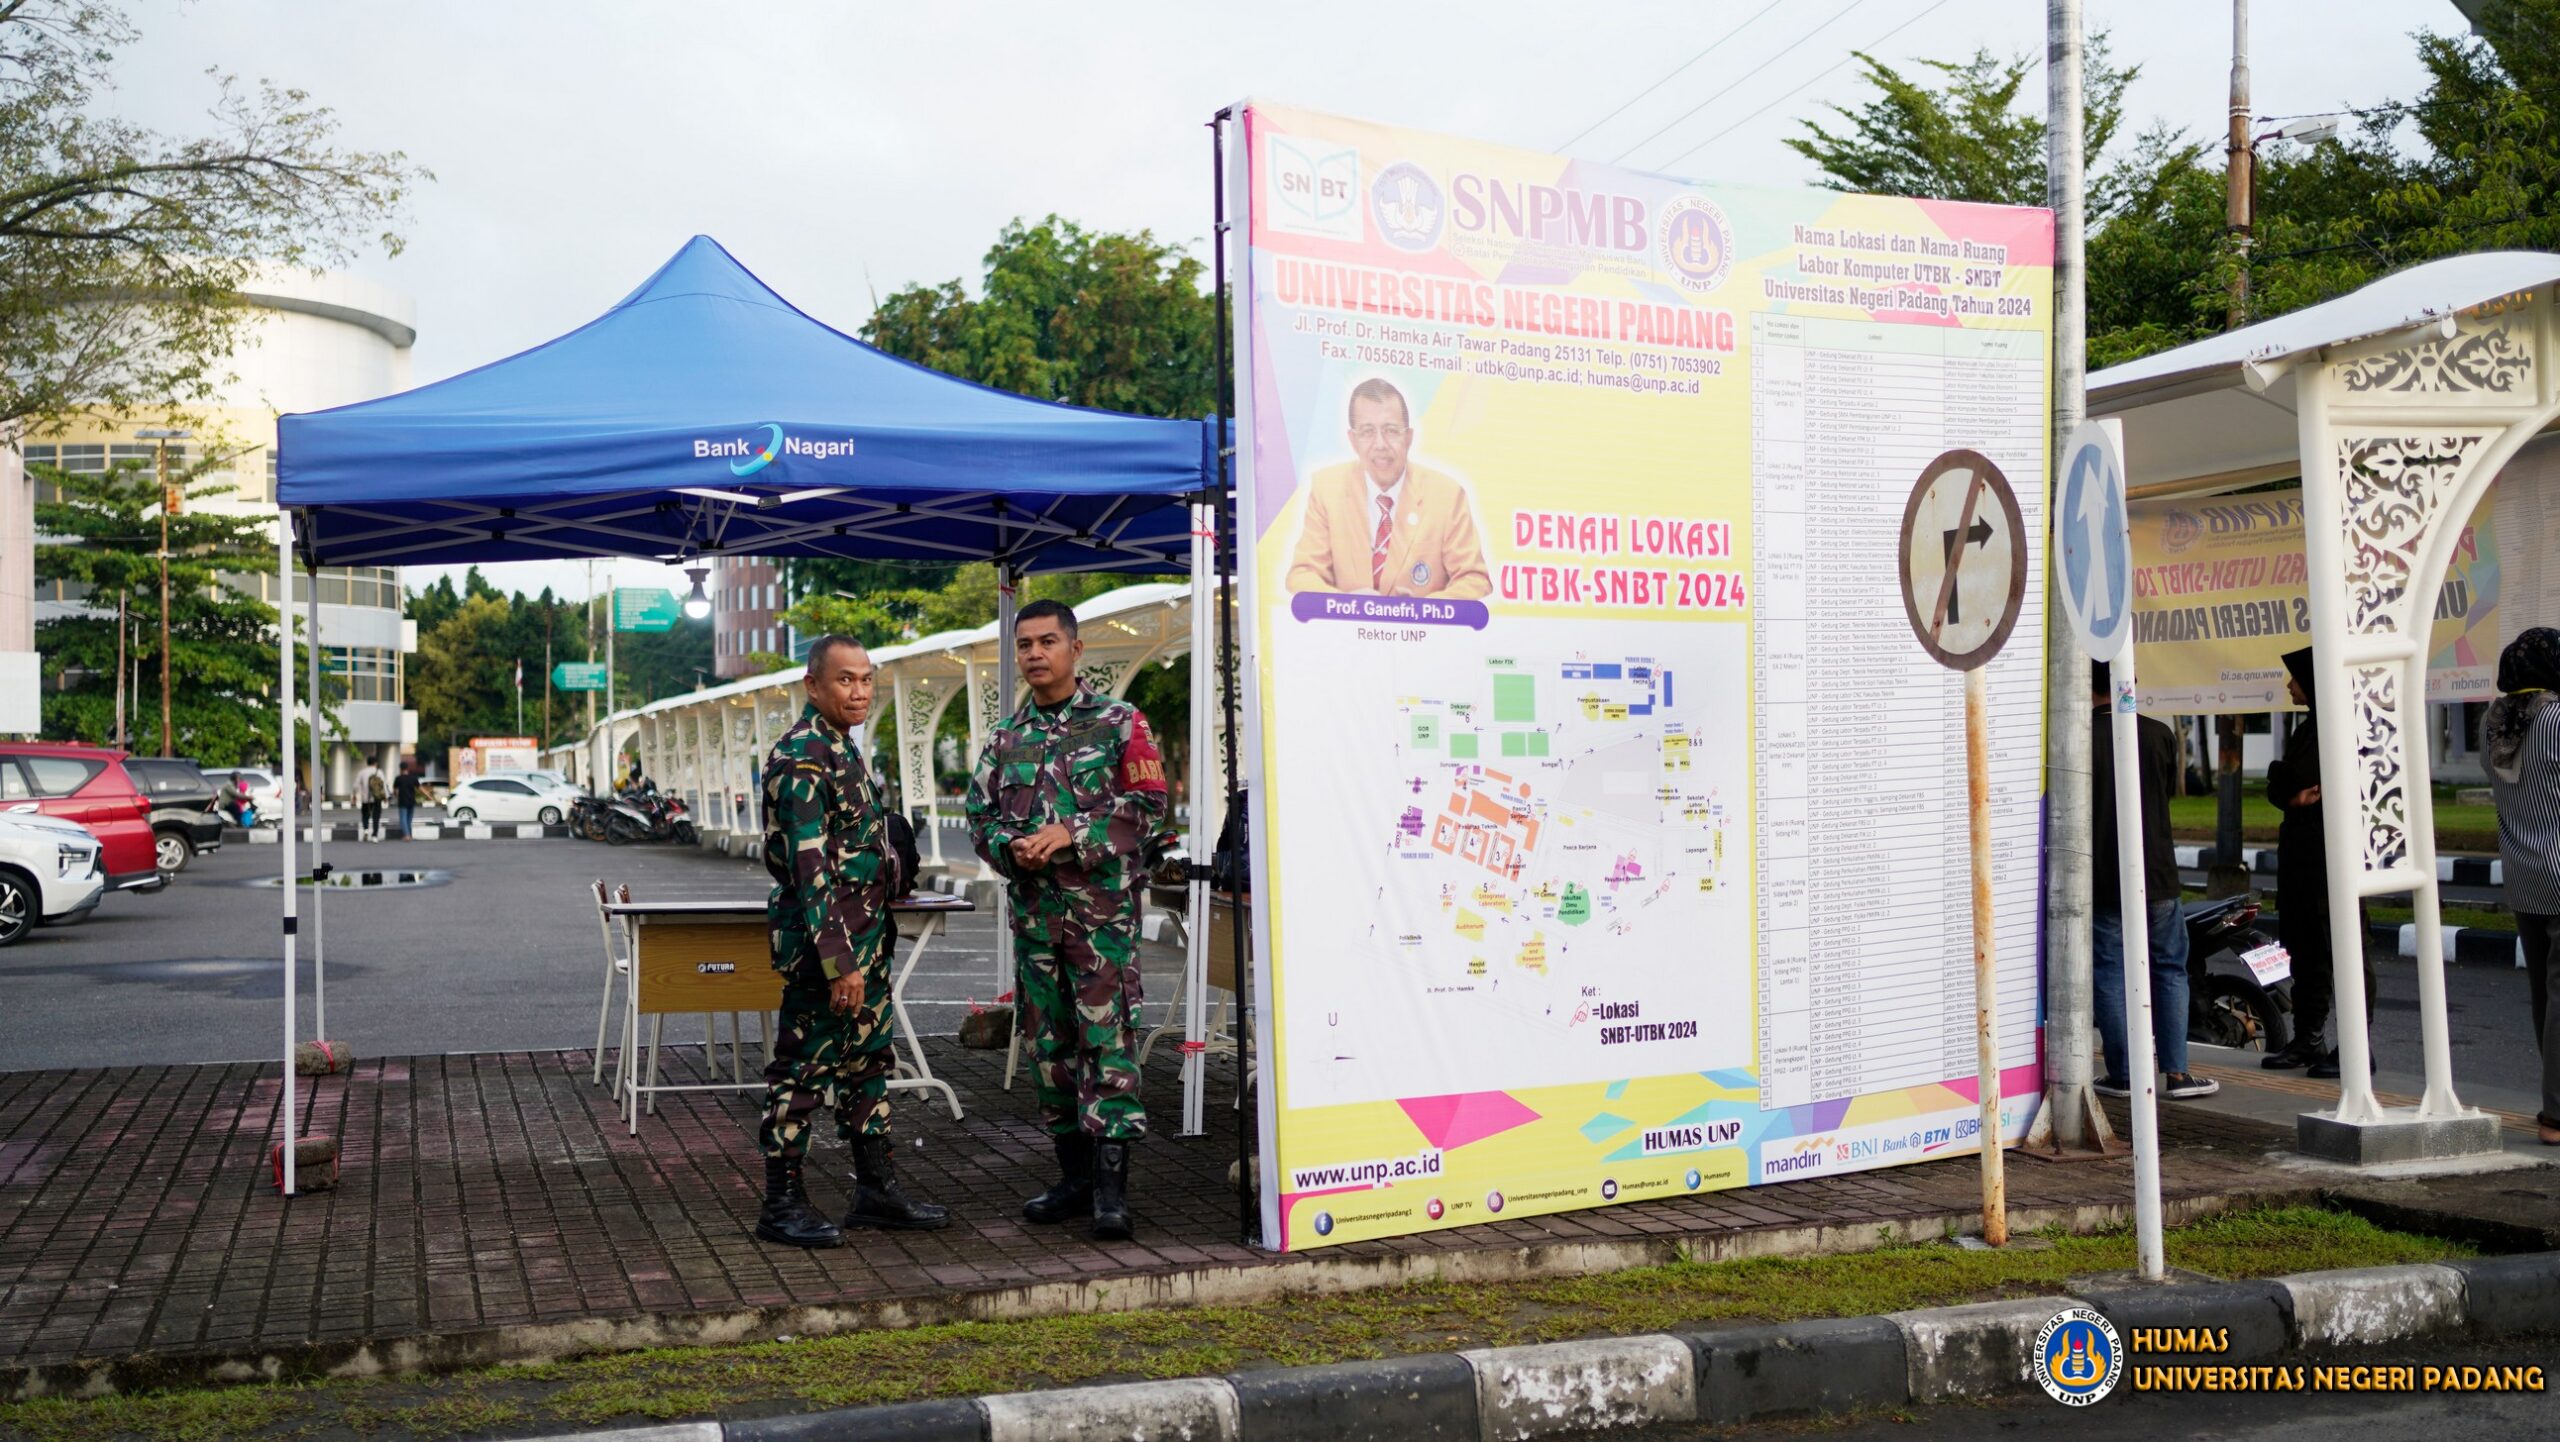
column 702, row 415
column 705, row 414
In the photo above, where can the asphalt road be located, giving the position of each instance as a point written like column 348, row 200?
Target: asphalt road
column 503, row 954
column 2224, row 1417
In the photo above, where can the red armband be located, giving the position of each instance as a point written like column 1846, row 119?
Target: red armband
column 1141, row 765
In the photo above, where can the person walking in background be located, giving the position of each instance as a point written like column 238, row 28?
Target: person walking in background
column 2522, row 737
column 2163, row 908
column 404, row 794
column 371, row 792
column 2302, row 883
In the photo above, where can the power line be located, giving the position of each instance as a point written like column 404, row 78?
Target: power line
column 2403, row 107
column 1817, row 75
column 1719, row 95
column 1666, row 79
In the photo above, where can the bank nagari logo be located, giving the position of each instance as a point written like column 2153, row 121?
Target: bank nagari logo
column 1407, row 204
column 2078, row 1357
column 2179, row 531
column 1697, row 244
column 1314, row 192
column 762, row 458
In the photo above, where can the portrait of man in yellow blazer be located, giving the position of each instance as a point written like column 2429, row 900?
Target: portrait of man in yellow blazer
column 1379, row 524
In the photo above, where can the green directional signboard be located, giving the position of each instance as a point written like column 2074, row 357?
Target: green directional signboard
column 639, row 608
column 578, row 676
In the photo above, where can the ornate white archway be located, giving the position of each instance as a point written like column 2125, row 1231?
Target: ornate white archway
column 2397, row 405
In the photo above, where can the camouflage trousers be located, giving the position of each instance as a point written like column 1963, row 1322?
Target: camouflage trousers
column 1079, row 1008
column 822, row 1057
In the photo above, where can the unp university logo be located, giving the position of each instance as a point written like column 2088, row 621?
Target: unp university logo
column 2078, row 1357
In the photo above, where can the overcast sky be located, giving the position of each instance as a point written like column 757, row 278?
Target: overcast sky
column 846, row 149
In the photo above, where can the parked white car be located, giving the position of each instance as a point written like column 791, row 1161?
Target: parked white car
column 49, row 872
column 548, row 782
column 504, row 798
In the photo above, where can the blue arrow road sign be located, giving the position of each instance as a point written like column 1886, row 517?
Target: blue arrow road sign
column 2093, row 543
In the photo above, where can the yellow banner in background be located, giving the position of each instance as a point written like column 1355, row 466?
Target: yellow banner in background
column 2220, row 597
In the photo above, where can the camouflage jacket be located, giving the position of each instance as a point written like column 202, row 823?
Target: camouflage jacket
column 1091, row 764
column 826, row 844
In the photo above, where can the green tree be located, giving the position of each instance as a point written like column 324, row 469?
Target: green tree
column 122, row 251
column 1089, row 318
column 222, row 641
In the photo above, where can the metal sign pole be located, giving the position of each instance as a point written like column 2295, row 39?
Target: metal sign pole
column 292, row 889
column 1986, row 984
column 2093, row 562
column 2134, row 912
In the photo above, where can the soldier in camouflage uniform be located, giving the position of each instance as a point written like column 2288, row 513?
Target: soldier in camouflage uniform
column 834, row 873
column 1066, row 798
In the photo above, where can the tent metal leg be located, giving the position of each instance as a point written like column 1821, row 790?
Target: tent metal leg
column 284, row 755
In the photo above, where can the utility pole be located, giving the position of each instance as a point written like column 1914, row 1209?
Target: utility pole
column 2240, row 184
column 168, row 503
column 550, row 619
column 121, row 739
column 2071, row 1119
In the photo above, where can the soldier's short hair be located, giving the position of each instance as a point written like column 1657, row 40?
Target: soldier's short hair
column 1066, row 615
column 1376, row 388
column 819, row 648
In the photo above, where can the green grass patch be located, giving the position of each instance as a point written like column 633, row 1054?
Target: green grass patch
column 971, row 1358
column 2459, row 827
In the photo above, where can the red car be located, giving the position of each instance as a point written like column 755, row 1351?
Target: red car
column 86, row 784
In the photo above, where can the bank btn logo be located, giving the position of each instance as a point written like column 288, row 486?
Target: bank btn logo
column 1407, row 205
column 2078, row 1357
column 1313, row 192
column 1696, row 242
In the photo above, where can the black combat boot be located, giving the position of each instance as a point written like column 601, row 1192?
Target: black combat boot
column 1072, row 1195
column 787, row 1216
column 877, row 1202
column 1111, row 1191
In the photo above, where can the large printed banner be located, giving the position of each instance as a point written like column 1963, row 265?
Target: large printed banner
column 1611, row 824
column 2220, row 595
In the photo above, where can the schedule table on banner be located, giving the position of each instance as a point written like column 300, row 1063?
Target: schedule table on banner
column 1866, row 967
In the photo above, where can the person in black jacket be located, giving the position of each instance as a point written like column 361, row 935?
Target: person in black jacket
column 2302, row 884
column 2163, row 909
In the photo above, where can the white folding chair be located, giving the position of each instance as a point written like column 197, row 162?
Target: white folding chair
column 617, row 964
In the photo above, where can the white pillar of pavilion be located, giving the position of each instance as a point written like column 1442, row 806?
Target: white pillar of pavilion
column 2400, row 436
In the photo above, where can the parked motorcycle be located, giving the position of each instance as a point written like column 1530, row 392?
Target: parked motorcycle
column 2239, row 979
column 648, row 815
column 586, row 818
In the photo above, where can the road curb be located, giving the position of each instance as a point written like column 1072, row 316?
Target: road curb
column 1719, row 1375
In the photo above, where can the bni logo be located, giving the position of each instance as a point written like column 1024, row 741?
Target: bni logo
column 1314, row 192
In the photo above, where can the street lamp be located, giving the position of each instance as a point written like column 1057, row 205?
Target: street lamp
column 169, row 502
column 697, row 605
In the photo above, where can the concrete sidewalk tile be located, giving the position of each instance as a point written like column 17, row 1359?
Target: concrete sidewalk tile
column 2510, row 1296
column 944, row 1421
column 1195, row 1409
column 1824, row 1365
column 1429, row 1396
column 2366, row 1305
column 1977, row 1350
column 1567, row 1386
column 2256, row 1318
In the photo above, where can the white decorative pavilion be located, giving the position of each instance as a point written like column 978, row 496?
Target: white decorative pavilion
column 2396, row 405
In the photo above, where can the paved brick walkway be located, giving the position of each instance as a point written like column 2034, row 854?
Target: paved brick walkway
column 497, row 1190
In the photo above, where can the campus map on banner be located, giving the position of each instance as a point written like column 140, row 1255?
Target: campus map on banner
column 2220, row 595
column 1611, row 828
